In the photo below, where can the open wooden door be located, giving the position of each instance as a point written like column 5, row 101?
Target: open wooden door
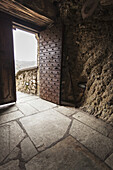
column 7, row 70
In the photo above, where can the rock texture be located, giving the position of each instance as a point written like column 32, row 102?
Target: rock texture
column 87, row 74
column 87, row 64
column 26, row 80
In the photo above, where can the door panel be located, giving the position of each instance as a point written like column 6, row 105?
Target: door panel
column 7, row 72
column 50, row 63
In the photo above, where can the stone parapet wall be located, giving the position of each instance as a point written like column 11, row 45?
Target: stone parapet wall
column 26, row 80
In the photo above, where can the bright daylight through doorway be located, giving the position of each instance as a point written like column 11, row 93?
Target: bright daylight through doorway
column 25, row 49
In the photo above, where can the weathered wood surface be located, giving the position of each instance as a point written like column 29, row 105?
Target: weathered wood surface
column 18, row 10
column 7, row 71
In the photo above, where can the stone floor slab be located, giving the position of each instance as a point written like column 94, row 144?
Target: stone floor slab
column 27, row 98
column 10, row 116
column 13, row 155
column 16, row 134
column 111, row 134
column 7, row 109
column 97, row 143
column 4, row 141
column 46, row 127
column 26, row 109
column 68, row 111
column 12, row 165
column 41, row 104
column 27, row 149
column 10, row 136
column 94, row 123
column 22, row 95
column 66, row 155
column 109, row 161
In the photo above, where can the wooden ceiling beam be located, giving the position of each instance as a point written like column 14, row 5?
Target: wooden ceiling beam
column 20, row 11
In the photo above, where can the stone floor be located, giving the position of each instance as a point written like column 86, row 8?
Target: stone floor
column 39, row 135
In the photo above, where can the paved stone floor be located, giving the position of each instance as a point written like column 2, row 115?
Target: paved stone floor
column 39, row 135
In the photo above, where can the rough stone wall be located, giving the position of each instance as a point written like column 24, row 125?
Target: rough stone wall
column 87, row 73
column 50, row 63
column 26, row 80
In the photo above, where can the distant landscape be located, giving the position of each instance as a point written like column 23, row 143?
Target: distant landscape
column 24, row 64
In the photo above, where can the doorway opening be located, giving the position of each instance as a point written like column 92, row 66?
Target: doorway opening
column 26, row 62
column 50, row 55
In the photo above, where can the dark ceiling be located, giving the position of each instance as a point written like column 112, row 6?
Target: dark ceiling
column 41, row 13
column 44, row 7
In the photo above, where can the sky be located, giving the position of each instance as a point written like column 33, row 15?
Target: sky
column 25, row 45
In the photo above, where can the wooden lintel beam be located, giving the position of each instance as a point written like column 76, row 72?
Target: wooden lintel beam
column 18, row 10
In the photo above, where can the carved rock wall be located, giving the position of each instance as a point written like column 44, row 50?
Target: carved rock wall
column 87, row 73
